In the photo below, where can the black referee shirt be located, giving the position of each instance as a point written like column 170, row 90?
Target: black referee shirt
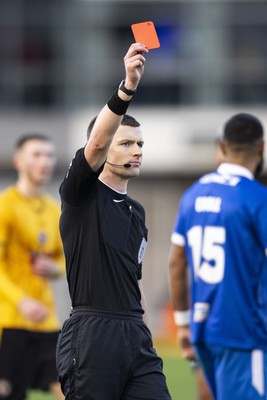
column 104, row 238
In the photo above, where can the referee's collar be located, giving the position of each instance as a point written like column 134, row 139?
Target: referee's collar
column 234, row 169
column 110, row 187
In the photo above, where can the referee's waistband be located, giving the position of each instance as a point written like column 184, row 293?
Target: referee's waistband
column 103, row 312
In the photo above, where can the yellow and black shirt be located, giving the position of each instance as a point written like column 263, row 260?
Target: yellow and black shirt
column 27, row 226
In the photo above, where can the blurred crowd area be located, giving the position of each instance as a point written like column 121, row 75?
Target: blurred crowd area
column 60, row 60
column 67, row 53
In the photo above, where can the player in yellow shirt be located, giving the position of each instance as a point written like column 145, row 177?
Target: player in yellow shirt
column 31, row 256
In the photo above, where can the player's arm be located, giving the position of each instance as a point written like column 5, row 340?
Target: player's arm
column 50, row 266
column 178, row 278
column 9, row 290
column 179, row 290
column 111, row 114
column 30, row 308
column 59, row 260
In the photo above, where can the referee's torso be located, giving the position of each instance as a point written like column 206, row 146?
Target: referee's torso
column 104, row 237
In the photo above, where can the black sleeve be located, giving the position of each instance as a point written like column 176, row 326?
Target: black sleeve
column 77, row 184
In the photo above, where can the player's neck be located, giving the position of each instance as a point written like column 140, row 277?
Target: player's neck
column 248, row 164
column 28, row 188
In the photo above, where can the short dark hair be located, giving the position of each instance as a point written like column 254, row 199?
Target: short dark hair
column 243, row 129
column 31, row 136
column 126, row 120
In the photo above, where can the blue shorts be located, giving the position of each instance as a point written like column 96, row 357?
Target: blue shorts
column 234, row 374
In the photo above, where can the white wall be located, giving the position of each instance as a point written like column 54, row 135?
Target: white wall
column 176, row 139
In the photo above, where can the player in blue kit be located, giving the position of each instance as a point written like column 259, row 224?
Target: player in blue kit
column 221, row 233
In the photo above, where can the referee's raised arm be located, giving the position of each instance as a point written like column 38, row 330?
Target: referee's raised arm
column 111, row 114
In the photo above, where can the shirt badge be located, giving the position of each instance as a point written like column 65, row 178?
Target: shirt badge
column 142, row 250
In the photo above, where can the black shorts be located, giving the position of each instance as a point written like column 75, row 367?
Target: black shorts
column 108, row 356
column 27, row 360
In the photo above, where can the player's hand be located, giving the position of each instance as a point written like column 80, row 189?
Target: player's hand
column 33, row 310
column 44, row 266
column 187, row 350
column 134, row 62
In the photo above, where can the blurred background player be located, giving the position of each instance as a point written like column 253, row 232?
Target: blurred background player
column 221, row 233
column 202, row 387
column 31, row 256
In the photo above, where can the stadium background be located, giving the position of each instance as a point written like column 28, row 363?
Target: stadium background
column 61, row 59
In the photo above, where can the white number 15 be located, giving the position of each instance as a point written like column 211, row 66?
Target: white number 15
column 208, row 252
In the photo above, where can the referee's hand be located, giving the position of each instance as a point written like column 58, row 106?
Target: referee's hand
column 134, row 62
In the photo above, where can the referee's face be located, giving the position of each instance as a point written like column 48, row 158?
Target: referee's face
column 126, row 148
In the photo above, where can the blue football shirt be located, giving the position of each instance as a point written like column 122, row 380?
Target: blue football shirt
column 222, row 222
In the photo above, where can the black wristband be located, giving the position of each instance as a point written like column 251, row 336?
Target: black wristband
column 117, row 105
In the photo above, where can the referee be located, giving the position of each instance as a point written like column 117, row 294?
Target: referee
column 105, row 350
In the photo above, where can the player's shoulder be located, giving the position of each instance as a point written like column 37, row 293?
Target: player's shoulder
column 8, row 195
column 254, row 200
column 8, row 202
column 259, row 186
column 256, row 191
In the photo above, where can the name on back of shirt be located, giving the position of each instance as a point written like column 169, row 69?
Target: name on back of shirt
column 208, row 204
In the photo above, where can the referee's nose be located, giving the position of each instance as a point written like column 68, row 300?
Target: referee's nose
column 138, row 151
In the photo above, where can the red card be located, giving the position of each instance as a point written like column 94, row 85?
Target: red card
column 145, row 33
